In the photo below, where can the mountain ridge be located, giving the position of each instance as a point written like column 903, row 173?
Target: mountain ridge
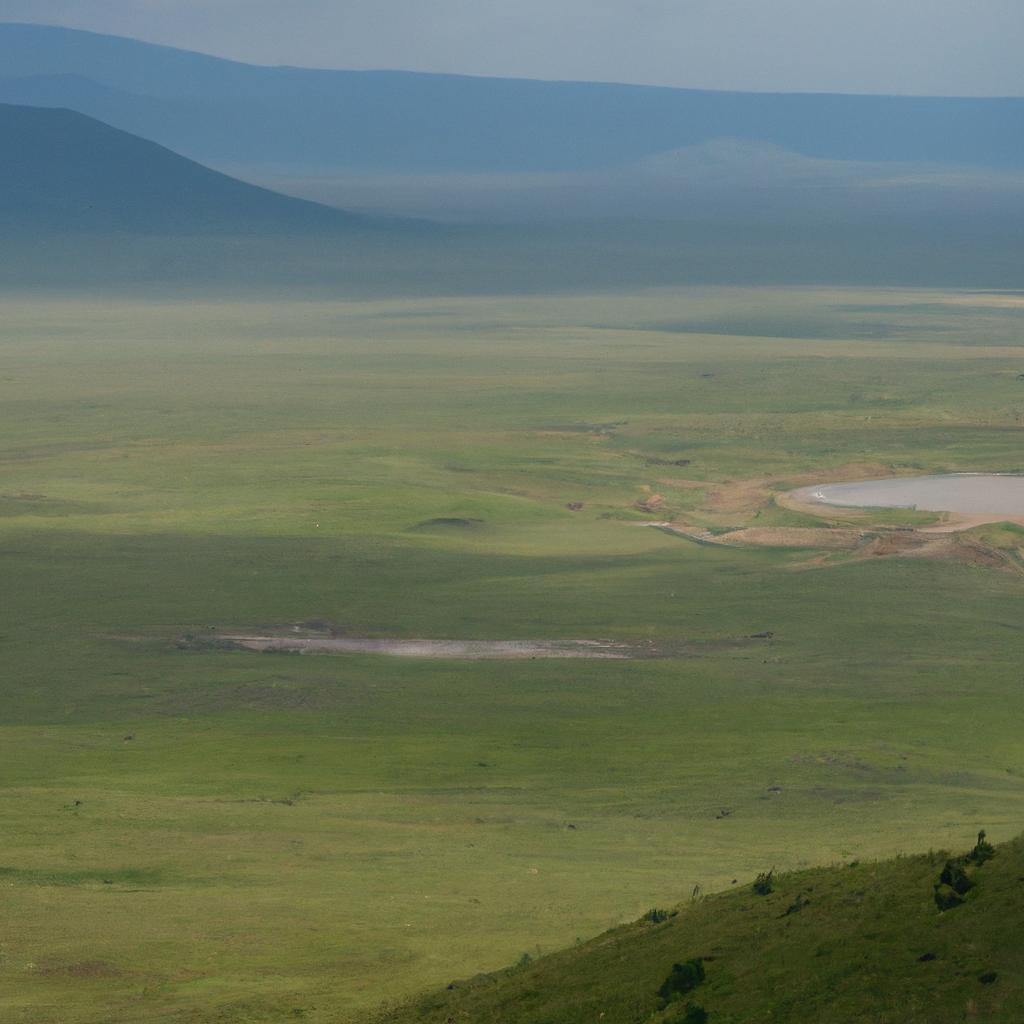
column 41, row 28
column 390, row 121
column 66, row 172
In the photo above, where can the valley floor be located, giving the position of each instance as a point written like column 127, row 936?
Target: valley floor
column 194, row 833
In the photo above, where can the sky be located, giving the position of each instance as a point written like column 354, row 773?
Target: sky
column 924, row 47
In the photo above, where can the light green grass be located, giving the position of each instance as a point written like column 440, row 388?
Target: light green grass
column 322, row 833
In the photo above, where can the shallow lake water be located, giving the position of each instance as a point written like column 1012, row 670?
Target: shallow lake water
column 969, row 493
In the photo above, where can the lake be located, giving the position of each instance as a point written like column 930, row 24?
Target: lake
column 968, row 493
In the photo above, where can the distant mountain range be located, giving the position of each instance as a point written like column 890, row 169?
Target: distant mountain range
column 64, row 172
column 549, row 185
column 297, row 120
column 725, row 180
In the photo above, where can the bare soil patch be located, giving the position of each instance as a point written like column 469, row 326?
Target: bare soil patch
column 796, row 537
column 459, row 649
column 948, row 545
column 469, row 650
column 652, row 504
column 738, row 497
column 946, row 540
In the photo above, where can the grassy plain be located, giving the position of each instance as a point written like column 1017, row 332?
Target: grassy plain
column 197, row 836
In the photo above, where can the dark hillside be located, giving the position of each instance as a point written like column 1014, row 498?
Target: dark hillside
column 64, row 172
column 863, row 943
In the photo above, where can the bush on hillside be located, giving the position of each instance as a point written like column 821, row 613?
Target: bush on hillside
column 954, row 883
column 983, row 850
column 797, row 905
column 656, row 916
column 947, row 898
column 684, row 978
column 956, row 878
column 764, row 884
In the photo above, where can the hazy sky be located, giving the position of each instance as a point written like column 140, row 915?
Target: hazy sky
column 962, row 47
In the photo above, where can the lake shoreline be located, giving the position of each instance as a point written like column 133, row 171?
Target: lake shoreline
column 963, row 499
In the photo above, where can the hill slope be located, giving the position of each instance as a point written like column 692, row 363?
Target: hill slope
column 219, row 110
column 840, row 945
column 63, row 171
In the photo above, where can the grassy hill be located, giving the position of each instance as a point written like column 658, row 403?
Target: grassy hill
column 63, row 171
column 219, row 110
column 854, row 943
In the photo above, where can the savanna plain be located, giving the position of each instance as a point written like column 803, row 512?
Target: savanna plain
column 193, row 832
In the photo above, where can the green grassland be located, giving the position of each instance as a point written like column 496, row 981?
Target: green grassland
column 196, row 836
column 858, row 942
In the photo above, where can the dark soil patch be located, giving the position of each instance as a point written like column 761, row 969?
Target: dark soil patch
column 449, row 522
column 99, row 969
column 324, row 626
column 584, row 428
column 191, row 642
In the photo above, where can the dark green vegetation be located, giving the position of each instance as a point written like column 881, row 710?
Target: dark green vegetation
column 836, row 946
column 218, row 110
column 63, row 172
column 207, row 835
column 958, row 876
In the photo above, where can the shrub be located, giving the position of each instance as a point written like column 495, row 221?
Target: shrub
column 765, row 883
column 684, row 978
column 655, row 916
column 953, row 885
column 797, row 905
column 983, row 850
column 956, row 878
column 946, row 898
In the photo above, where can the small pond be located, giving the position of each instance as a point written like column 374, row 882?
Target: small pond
column 967, row 493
